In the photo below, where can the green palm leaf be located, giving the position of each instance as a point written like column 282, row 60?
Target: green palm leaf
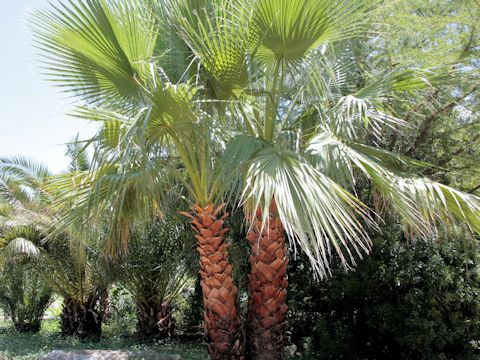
column 423, row 204
column 97, row 49
column 318, row 214
column 217, row 33
column 289, row 29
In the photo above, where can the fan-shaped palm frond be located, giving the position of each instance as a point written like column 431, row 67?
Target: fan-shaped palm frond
column 97, row 49
column 288, row 29
column 316, row 212
column 422, row 203
column 217, row 33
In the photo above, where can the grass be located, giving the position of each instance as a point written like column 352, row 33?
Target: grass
column 16, row 346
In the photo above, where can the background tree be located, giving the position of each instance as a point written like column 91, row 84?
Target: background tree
column 75, row 271
column 24, row 293
column 155, row 272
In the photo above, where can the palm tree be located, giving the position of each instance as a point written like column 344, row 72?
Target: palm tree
column 73, row 270
column 24, row 293
column 266, row 83
column 155, row 271
column 112, row 61
column 292, row 172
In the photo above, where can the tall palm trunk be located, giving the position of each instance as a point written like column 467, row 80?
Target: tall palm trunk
column 221, row 320
column 154, row 320
column 267, row 287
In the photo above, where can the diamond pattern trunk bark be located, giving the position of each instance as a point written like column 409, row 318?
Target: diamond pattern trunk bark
column 154, row 321
column 221, row 318
column 267, row 287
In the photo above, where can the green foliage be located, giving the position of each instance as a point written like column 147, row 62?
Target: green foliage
column 15, row 346
column 408, row 300
column 24, row 295
column 121, row 317
column 189, row 309
column 157, row 265
column 269, row 63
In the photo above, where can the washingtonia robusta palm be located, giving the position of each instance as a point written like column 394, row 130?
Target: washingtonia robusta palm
column 111, row 53
column 260, row 82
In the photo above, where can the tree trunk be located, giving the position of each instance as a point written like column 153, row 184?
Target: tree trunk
column 221, row 320
column 90, row 321
column 69, row 319
column 90, row 325
column 154, row 321
column 267, row 287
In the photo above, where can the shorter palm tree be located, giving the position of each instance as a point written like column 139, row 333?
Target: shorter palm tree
column 24, row 293
column 155, row 271
column 75, row 271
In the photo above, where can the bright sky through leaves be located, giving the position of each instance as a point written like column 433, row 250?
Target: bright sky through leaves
column 32, row 116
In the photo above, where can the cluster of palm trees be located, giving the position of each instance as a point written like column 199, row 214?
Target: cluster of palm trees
column 251, row 104
column 39, row 257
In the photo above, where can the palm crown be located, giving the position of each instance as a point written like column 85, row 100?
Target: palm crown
column 261, row 104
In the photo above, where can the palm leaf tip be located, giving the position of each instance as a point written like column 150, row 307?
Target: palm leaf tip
column 96, row 49
column 422, row 204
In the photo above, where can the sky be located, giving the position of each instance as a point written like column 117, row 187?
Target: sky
column 33, row 120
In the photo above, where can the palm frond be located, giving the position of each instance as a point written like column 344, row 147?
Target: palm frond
column 217, row 33
column 317, row 213
column 423, row 204
column 24, row 169
column 21, row 246
column 99, row 50
column 289, row 29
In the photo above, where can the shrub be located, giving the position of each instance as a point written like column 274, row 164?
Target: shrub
column 24, row 296
column 408, row 300
column 155, row 271
column 122, row 317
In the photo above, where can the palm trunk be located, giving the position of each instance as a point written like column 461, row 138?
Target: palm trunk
column 69, row 319
column 90, row 321
column 267, row 287
column 154, row 321
column 221, row 320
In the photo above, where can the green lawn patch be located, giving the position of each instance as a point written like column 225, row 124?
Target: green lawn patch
column 16, row 346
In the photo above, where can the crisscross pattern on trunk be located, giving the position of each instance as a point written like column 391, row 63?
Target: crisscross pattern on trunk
column 267, row 287
column 154, row 320
column 221, row 319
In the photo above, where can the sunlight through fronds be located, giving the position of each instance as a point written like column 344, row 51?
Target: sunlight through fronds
column 289, row 29
column 317, row 213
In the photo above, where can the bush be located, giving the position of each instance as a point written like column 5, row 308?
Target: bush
column 24, row 296
column 122, row 317
column 406, row 300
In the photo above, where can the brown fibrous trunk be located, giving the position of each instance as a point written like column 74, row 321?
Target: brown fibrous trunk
column 69, row 319
column 154, row 320
column 268, row 283
column 221, row 319
column 90, row 320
